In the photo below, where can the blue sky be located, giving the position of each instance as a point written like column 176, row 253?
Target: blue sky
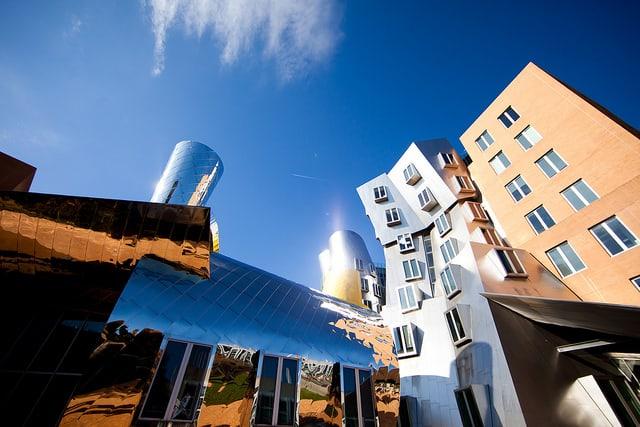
column 96, row 94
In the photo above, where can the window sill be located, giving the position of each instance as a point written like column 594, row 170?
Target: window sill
column 381, row 199
column 462, row 342
column 392, row 223
column 407, row 355
column 410, row 309
column 517, row 275
column 411, row 279
column 454, row 293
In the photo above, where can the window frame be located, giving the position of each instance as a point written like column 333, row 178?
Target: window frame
column 522, row 133
column 378, row 290
column 411, row 174
column 492, row 237
column 426, row 200
column 449, row 291
column 276, row 393
column 413, row 293
column 636, row 282
column 553, row 166
column 357, row 370
column 468, row 407
column 502, row 164
column 449, row 247
column 382, row 193
column 413, row 266
column 507, row 114
column 484, row 140
column 175, row 390
column 395, row 219
column 450, row 321
column 465, row 183
column 438, row 221
column 614, row 236
column 430, row 262
column 478, row 212
column 519, row 188
column 539, row 218
column 364, row 284
column 579, row 195
column 408, row 243
column 368, row 303
column 358, row 264
column 515, row 267
column 565, row 258
column 449, row 160
column 399, row 335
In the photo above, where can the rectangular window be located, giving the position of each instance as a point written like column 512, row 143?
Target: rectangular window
column 443, row 224
column 551, row 164
column 455, row 326
column 448, row 282
column 405, row 341
column 411, row 175
column 372, row 269
column 378, row 290
column 368, row 304
column 518, row 188
column 393, row 216
column 499, row 162
column 449, row 249
column 579, row 195
column 431, row 268
column 468, row 408
column 405, row 243
column 427, row 202
column 508, row 117
column 465, row 183
column 528, row 137
column 565, row 259
column 510, row 262
column 485, row 140
column 357, row 392
column 449, row 160
column 407, row 298
column 358, row 264
column 411, row 269
column 491, row 237
column 636, row 282
column 540, row 220
column 364, row 284
column 178, row 383
column 614, row 236
column 277, row 391
column 478, row 212
column 380, row 194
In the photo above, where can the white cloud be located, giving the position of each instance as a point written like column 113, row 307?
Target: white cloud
column 295, row 34
column 74, row 28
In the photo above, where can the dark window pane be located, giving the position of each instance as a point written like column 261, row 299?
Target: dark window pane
column 266, row 395
column 350, row 397
column 160, row 392
column 84, row 344
column 366, row 396
column 452, row 328
column 608, row 241
column 54, row 401
column 57, row 345
column 29, row 343
column 189, row 394
column 288, row 388
column 505, row 120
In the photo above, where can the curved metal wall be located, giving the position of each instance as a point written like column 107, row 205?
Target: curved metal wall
column 193, row 170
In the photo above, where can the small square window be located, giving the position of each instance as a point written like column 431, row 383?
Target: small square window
column 478, row 212
column 565, row 259
column 508, row 117
column 614, row 236
column 518, row 188
column 456, row 329
column 368, row 304
column 491, row 237
column 449, row 250
column 528, row 138
column 411, row 269
column 380, row 194
column 484, row 140
column 579, row 195
column 378, row 290
column 448, row 282
column 550, row 164
column 411, row 175
column 448, row 160
column 404, row 339
column 358, row 264
column 464, row 183
column 540, row 219
column 443, row 224
column 407, row 298
column 405, row 243
column 500, row 162
column 393, row 216
column 511, row 262
column 427, row 202
column 364, row 285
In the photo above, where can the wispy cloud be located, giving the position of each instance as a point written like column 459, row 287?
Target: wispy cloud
column 75, row 26
column 313, row 178
column 295, row 34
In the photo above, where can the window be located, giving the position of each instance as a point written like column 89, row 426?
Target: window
column 565, row 259
column 378, row 290
column 431, row 269
column 468, row 408
column 368, row 304
column 540, row 220
column 427, row 202
column 465, row 183
column 478, row 212
column 579, row 195
column 449, row 249
column 358, row 264
column 405, row 341
column 380, row 194
column 448, row 159
column 455, row 326
column 405, row 243
column 407, row 298
column 357, row 392
column 614, row 236
column 411, row 175
column 528, row 137
column 443, row 224
column 277, row 391
column 393, row 216
column 364, row 284
column 510, row 262
column 518, row 188
column 551, row 164
column 485, row 140
column 411, row 269
column 499, row 162
column 448, row 282
column 372, row 269
column 636, row 282
column 178, row 382
column 491, row 237
column 508, row 117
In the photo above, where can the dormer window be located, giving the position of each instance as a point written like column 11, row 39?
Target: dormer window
column 426, row 199
column 411, row 175
column 380, row 194
column 393, row 216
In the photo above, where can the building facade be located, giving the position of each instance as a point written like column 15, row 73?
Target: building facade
column 348, row 272
column 554, row 168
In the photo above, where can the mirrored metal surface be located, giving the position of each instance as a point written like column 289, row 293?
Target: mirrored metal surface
column 15, row 175
column 192, row 172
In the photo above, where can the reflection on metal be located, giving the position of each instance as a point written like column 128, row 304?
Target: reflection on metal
column 243, row 310
column 52, row 234
column 193, row 170
column 215, row 236
column 15, row 175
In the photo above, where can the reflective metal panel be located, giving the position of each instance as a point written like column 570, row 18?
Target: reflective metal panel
column 193, row 170
column 320, row 394
column 15, row 174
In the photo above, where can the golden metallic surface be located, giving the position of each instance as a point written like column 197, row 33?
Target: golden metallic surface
column 320, row 394
column 343, row 284
column 48, row 234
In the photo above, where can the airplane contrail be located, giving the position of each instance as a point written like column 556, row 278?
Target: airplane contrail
column 313, row 178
